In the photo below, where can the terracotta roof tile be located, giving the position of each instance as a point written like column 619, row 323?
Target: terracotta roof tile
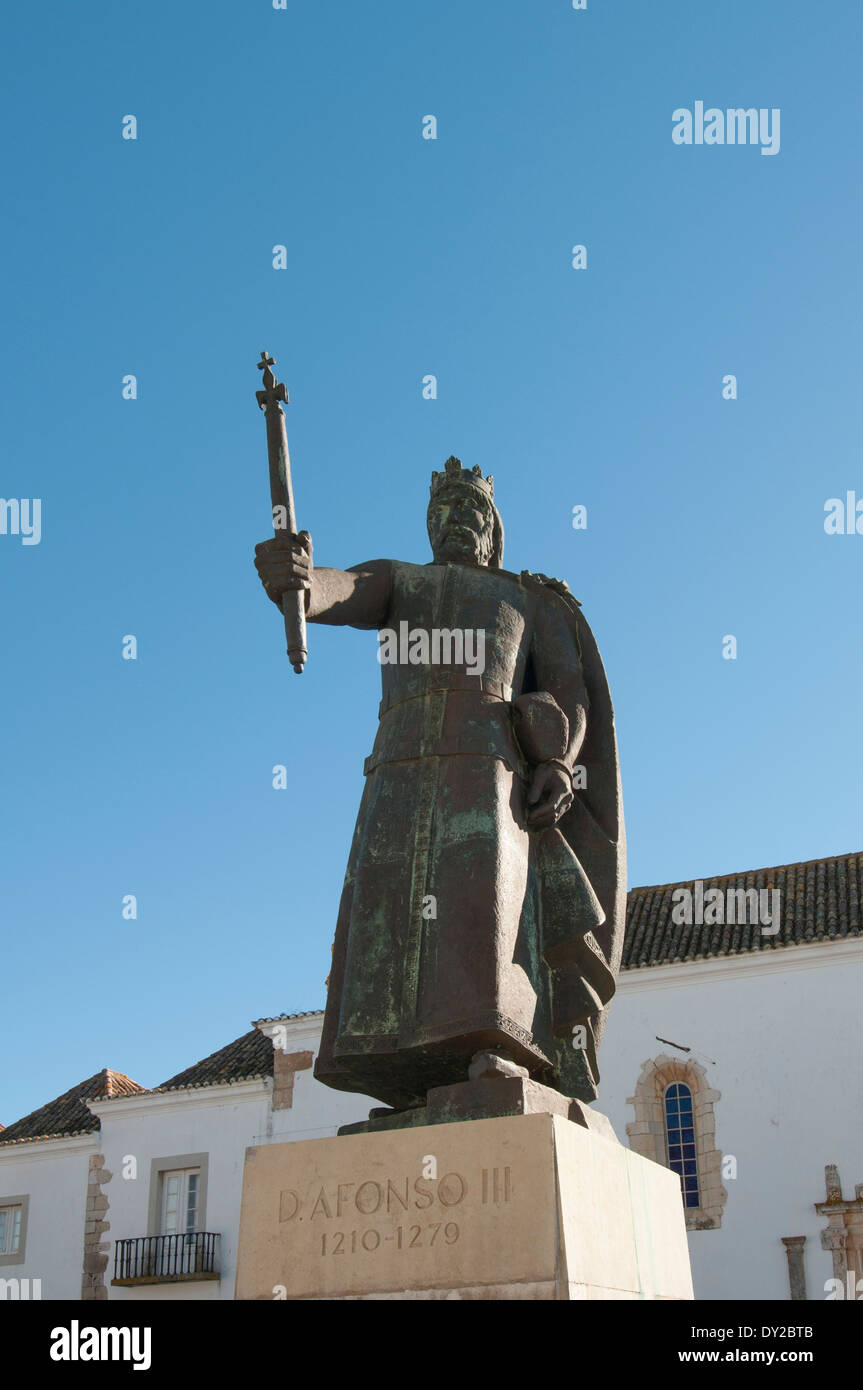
column 68, row 1114
column 820, row 900
column 279, row 1018
column 245, row 1059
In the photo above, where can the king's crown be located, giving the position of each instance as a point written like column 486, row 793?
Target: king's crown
column 455, row 475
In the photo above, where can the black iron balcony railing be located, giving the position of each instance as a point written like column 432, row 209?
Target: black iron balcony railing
column 166, row 1259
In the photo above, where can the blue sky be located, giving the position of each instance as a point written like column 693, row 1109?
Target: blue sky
column 405, row 257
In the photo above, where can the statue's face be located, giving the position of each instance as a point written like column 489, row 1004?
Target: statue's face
column 460, row 527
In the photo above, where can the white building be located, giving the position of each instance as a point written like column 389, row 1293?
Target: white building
column 773, row 1021
column 114, row 1191
column 731, row 1054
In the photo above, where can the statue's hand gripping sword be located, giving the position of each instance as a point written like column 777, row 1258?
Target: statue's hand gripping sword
column 282, row 494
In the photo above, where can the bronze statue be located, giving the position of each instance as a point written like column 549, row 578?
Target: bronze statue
column 481, row 922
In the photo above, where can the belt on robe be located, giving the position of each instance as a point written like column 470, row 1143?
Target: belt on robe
column 459, row 680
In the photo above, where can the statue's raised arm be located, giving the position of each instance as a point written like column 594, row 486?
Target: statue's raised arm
column 357, row 597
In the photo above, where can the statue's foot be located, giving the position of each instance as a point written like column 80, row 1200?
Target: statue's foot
column 488, row 1066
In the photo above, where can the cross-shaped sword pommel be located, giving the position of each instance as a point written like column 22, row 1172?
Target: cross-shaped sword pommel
column 274, row 391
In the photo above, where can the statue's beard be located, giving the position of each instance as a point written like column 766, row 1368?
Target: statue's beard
column 461, row 543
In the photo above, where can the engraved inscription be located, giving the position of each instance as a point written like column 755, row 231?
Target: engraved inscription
column 402, row 1238
column 496, row 1186
column 369, row 1215
column 373, row 1197
column 289, row 1204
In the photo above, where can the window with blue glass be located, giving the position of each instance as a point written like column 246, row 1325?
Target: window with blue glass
column 680, row 1140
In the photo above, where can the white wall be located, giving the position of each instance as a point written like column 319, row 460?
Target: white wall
column 317, row 1110
column 53, row 1173
column 784, row 1032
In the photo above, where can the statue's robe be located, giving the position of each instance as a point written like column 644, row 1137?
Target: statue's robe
column 459, row 928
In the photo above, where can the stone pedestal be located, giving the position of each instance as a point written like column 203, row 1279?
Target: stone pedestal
column 532, row 1206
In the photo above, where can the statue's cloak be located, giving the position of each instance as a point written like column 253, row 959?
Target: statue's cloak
column 460, row 928
column 585, row 964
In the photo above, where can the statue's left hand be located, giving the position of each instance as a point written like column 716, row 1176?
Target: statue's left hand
column 549, row 796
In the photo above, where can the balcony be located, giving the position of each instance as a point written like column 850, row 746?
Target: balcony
column 166, row 1259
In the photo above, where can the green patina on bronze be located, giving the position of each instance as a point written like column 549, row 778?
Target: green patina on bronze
column 483, row 904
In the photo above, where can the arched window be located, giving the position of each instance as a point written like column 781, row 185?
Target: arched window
column 680, row 1140
column 675, row 1125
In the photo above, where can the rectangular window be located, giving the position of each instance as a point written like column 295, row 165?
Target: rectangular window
column 13, row 1228
column 180, row 1201
column 10, row 1230
column 177, row 1204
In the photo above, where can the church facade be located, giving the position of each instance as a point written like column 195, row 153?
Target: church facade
column 732, row 1056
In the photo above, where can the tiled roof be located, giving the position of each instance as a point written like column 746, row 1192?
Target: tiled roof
column 68, row 1114
column 245, row 1059
column 820, row 900
column 281, row 1018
